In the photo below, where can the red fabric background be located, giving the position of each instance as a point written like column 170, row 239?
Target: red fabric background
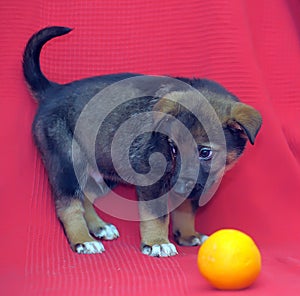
column 250, row 46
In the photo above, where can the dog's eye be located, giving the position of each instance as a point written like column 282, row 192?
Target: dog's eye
column 205, row 153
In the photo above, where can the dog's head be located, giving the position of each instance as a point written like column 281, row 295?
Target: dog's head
column 220, row 126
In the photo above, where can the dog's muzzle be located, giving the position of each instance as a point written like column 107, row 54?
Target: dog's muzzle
column 184, row 186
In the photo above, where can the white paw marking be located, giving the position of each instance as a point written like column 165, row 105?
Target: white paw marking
column 196, row 241
column 163, row 250
column 199, row 241
column 108, row 232
column 203, row 238
column 89, row 248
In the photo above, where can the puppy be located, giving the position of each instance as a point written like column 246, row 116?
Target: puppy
column 179, row 137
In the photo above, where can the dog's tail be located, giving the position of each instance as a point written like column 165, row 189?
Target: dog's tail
column 34, row 76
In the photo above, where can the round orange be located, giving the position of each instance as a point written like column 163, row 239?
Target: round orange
column 229, row 259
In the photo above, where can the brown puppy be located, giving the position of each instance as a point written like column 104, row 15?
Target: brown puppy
column 163, row 135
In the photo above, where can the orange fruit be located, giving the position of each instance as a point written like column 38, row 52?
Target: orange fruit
column 229, row 259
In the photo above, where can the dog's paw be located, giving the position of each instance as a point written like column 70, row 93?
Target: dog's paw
column 93, row 247
column 193, row 240
column 107, row 232
column 198, row 240
column 162, row 250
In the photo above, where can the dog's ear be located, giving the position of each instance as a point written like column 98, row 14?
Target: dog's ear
column 246, row 119
column 165, row 106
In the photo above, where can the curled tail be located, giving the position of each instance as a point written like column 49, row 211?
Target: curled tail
column 35, row 78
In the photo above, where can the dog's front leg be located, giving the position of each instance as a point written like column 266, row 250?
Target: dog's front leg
column 154, row 227
column 154, row 234
column 183, row 224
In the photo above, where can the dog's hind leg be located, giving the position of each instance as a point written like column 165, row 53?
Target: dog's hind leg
column 71, row 216
column 70, row 208
column 96, row 187
column 97, row 227
column 57, row 148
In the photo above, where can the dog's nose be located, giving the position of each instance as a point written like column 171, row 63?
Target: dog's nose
column 184, row 186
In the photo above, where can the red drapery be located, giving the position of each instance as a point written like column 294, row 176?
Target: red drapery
column 251, row 47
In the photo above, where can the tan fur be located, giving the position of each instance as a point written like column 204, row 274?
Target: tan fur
column 249, row 119
column 72, row 217
column 153, row 231
column 167, row 106
column 183, row 223
column 183, row 219
column 94, row 222
column 231, row 158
